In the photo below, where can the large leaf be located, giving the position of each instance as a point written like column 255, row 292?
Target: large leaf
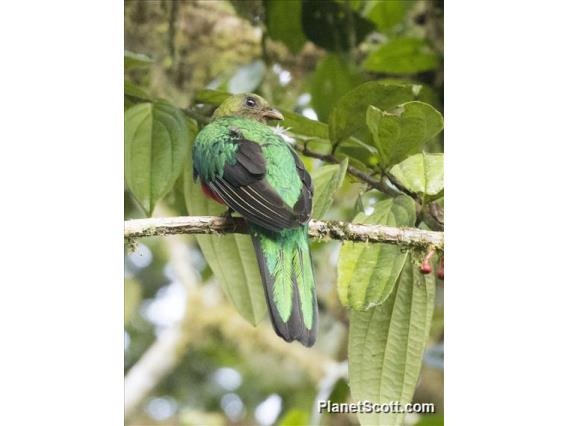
column 386, row 344
column 231, row 257
column 348, row 115
column 403, row 132
column 156, row 139
column 423, row 92
column 387, row 13
column 327, row 180
column 297, row 123
column 331, row 26
column 332, row 78
column 284, row 23
column 422, row 173
column 367, row 273
column 402, row 56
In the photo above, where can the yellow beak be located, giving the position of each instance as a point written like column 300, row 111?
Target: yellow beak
column 272, row 114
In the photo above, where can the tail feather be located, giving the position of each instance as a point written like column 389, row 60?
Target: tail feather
column 287, row 276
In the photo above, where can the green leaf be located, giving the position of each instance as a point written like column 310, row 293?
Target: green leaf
column 423, row 92
column 386, row 344
column 357, row 150
column 403, row 132
column 348, row 115
column 297, row 123
column 134, row 91
column 301, row 125
column 422, row 173
column 354, row 4
column 367, row 273
column 332, row 78
column 210, row 96
column 231, row 257
column 387, row 13
column 284, row 23
column 340, row 391
column 327, row 180
column 402, row 56
column 332, row 26
column 136, row 60
column 295, row 418
column 156, row 139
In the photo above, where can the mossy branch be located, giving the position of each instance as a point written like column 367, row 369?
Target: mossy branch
column 321, row 230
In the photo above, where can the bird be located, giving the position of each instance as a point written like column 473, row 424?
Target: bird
column 247, row 165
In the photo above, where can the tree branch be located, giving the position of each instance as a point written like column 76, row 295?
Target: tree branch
column 328, row 158
column 398, row 185
column 335, row 230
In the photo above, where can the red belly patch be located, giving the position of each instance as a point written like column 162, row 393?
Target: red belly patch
column 210, row 194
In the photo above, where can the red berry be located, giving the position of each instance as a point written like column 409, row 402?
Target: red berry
column 425, row 268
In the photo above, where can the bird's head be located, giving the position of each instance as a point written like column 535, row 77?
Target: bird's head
column 250, row 106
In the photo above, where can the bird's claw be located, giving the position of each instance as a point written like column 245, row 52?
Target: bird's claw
column 228, row 214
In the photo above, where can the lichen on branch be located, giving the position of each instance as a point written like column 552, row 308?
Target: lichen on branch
column 321, row 230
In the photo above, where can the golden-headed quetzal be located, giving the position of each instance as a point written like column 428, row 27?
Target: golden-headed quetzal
column 247, row 165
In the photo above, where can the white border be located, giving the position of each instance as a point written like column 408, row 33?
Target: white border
column 61, row 298
column 505, row 205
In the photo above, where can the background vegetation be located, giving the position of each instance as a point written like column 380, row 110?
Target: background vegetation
column 361, row 84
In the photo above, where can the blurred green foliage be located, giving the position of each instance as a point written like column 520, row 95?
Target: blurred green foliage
column 362, row 80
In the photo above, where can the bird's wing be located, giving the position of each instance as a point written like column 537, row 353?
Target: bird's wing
column 303, row 207
column 243, row 188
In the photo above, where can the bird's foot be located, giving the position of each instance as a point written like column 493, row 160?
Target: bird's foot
column 228, row 214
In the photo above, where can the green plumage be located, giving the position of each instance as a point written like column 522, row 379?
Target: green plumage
column 287, row 255
column 245, row 164
column 214, row 148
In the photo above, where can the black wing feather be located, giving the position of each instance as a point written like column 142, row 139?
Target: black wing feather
column 243, row 188
column 244, row 201
column 303, row 207
column 250, row 165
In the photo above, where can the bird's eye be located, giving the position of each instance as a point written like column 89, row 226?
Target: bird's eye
column 250, row 102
